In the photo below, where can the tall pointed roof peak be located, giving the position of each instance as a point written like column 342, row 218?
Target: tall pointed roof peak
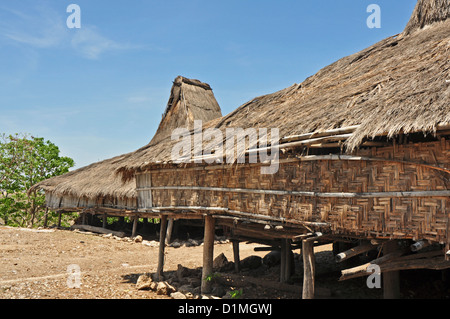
column 426, row 13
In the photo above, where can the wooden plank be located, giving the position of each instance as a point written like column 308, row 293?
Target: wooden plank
column 99, row 230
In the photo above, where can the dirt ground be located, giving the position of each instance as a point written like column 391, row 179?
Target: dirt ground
column 34, row 265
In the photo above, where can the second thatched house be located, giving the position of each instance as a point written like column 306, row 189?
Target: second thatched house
column 97, row 189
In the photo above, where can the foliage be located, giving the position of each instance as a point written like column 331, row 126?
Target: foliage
column 236, row 294
column 25, row 161
column 212, row 277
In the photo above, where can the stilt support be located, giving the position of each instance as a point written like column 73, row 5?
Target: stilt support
column 237, row 259
column 391, row 279
column 135, row 222
column 308, row 268
column 162, row 246
column 208, row 254
column 104, row 220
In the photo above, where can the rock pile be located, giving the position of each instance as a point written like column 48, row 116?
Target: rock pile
column 185, row 283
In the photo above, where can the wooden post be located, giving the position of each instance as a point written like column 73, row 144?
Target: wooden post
column 391, row 279
column 83, row 218
column 59, row 218
column 237, row 259
column 308, row 268
column 169, row 231
column 135, row 222
column 288, row 260
column 104, row 220
column 283, row 261
column 208, row 254
column 46, row 217
column 162, row 246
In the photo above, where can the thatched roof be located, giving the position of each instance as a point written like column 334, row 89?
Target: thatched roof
column 189, row 100
column 401, row 84
column 428, row 12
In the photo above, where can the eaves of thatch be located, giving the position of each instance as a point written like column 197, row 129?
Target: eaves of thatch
column 189, row 100
column 399, row 85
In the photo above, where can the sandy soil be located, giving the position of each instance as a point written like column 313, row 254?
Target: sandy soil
column 34, row 265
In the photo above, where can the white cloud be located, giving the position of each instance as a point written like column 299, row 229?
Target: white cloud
column 44, row 28
column 91, row 44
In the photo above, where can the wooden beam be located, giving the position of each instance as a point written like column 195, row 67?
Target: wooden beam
column 208, row 254
column 308, row 268
column 162, row 246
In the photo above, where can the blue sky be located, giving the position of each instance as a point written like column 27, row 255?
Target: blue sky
column 99, row 91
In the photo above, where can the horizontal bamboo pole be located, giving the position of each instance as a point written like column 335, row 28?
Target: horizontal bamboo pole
column 354, row 252
column 318, row 140
column 342, row 130
column 441, row 193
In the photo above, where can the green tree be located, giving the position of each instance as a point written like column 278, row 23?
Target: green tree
column 25, row 161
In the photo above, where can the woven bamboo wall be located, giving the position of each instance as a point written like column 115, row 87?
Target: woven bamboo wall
column 70, row 202
column 400, row 217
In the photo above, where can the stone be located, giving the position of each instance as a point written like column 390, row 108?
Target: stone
column 177, row 295
column 144, row 282
column 175, row 244
column 220, row 261
column 251, row 262
column 194, row 281
column 185, row 289
column 138, row 239
column 273, row 258
column 164, row 288
column 182, row 272
column 218, row 291
column 151, row 243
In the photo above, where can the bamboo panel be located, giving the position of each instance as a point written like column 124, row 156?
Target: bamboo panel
column 407, row 217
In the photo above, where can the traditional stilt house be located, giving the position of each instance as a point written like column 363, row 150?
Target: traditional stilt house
column 96, row 189
column 363, row 156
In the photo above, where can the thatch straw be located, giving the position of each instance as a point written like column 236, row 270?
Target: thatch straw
column 428, row 12
column 194, row 101
column 400, row 84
